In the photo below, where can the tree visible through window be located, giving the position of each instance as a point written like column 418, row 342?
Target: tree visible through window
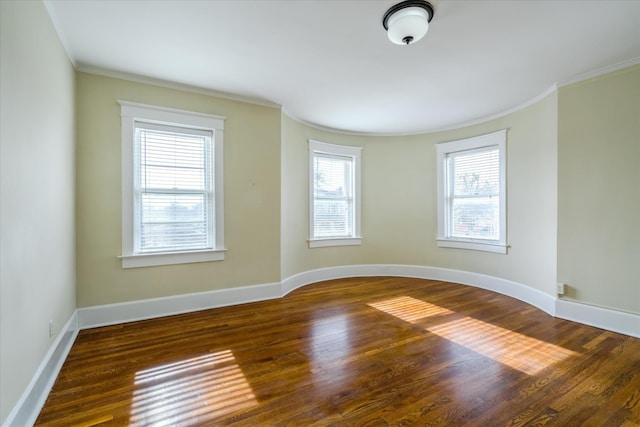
column 472, row 193
column 475, row 195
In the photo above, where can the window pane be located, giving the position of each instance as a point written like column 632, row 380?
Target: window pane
column 476, row 218
column 157, row 207
column 173, row 221
column 476, row 174
column 332, row 218
column 170, row 160
column 173, row 236
column 332, row 177
column 333, row 207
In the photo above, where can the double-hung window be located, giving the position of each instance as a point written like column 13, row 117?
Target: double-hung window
column 334, row 194
column 472, row 193
column 171, row 187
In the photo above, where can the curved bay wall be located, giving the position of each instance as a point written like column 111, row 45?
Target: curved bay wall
column 399, row 217
column 598, row 196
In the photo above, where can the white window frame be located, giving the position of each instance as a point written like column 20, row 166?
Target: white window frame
column 444, row 240
column 130, row 113
column 317, row 147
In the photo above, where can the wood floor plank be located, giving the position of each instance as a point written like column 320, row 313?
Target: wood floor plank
column 378, row 351
column 622, row 405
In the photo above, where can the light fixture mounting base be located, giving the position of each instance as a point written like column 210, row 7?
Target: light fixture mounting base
column 405, row 4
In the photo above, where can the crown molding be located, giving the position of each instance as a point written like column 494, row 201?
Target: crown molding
column 459, row 125
column 265, row 103
column 89, row 69
column 600, row 72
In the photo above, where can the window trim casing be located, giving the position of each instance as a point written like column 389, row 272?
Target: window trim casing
column 339, row 150
column 498, row 139
column 130, row 112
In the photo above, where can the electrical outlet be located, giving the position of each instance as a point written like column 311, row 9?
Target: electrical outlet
column 561, row 288
column 51, row 328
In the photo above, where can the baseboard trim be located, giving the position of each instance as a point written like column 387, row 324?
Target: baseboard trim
column 599, row 317
column 516, row 290
column 113, row 314
column 28, row 407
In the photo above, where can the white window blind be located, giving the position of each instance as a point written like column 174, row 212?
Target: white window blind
column 474, row 194
column 333, row 213
column 173, row 189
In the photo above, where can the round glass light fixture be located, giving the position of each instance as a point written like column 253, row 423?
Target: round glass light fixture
column 408, row 21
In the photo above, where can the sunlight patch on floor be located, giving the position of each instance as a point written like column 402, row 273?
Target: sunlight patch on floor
column 190, row 392
column 409, row 309
column 518, row 351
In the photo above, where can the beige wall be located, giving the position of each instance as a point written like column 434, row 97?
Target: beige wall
column 399, row 217
column 599, row 194
column 37, row 259
column 252, row 196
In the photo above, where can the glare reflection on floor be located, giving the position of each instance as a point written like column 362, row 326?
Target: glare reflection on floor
column 521, row 352
column 330, row 347
column 190, row 392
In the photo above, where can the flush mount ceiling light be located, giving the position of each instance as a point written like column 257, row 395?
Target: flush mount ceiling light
column 408, row 21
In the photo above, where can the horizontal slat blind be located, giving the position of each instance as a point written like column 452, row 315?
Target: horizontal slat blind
column 474, row 194
column 333, row 213
column 174, row 191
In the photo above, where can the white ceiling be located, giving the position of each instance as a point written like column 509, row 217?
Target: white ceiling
column 329, row 63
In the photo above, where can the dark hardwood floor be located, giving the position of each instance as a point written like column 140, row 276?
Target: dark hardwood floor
column 352, row 352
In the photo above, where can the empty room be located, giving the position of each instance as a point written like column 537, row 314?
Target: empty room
column 329, row 213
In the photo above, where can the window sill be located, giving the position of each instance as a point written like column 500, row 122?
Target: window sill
column 343, row 241
column 169, row 258
column 475, row 245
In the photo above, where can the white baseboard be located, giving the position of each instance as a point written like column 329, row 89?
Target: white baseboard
column 524, row 293
column 28, row 407
column 112, row 314
column 600, row 317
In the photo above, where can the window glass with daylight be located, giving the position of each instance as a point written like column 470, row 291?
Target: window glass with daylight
column 334, row 194
column 171, row 186
column 471, row 193
column 173, row 189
